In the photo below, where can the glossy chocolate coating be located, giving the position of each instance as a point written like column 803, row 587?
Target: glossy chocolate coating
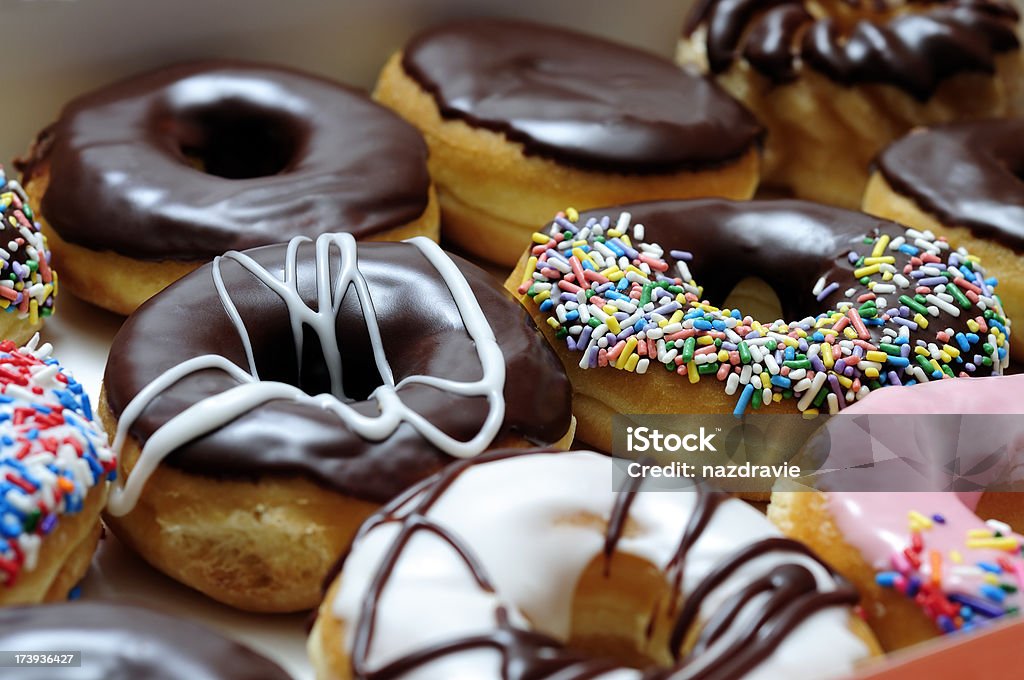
column 914, row 50
column 121, row 642
column 285, row 153
column 423, row 334
column 789, row 244
column 577, row 99
column 966, row 175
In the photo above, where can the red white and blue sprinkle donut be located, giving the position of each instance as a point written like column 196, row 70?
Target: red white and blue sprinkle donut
column 55, row 465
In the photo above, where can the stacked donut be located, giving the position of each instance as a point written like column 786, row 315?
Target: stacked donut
column 313, row 404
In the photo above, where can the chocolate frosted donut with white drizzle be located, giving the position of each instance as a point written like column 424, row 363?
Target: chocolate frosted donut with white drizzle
column 834, row 81
column 268, row 402
column 539, row 569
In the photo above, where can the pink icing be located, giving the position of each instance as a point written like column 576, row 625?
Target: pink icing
column 878, row 525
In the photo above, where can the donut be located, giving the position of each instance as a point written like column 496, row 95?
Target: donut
column 144, row 180
column 521, row 118
column 263, row 412
column 834, row 81
column 28, row 286
column 871, row 304
column 925, row 563
column 54, row 471
column 959, row 180
column 537, row 565
column 122, row 642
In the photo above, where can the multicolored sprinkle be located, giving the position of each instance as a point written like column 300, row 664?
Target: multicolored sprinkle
column 625, row 304
column 28, row 286
column 51, row 452
column 936, row 580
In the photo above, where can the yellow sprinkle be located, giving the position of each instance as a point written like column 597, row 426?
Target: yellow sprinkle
column 923, row 351
column 705, row 340
column 625, row 239
column 844, row 381
column 542, row 296
column 866, row 271
column 880, row 246
column 935, row 365
column 979, row 533
column 553, row 322
column 809, row 413
column 972, row 325
column 777, row 397
column 607, row 309
column 880, row 260
column 540, row 238
column 633, row 361
column 766, row 380
column 850, row 333
column 956, row 557
column 1002, row 543
column 610, row 270
column 991, row 578
column 582, row 256
column 633, row 269
column 616, row 276
column 874, row 355
column 578, row 243
column 951, row 351
column 792, row 342
column 531, row 266
column 613, row 233
column 620, row 363
column 572, row 214
column 723, row 356
column 33, row 311
column 921, row 321
column 826, row 355
column 871, row 372
column 944, row 356
column 4, row 304
column 613, row 325
column 691, row 372
column 915, row 516
column 887, row 276
column 676, row 317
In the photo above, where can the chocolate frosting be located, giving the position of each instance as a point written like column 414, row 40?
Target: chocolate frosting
column 914, row 50
column 577, row 99
column 789, row 244
column 121, row 642
column 423, row 334
column 965, row 174
column 791, row 590
column 285, row 154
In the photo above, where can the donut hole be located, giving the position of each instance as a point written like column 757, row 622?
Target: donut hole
column 754, row 297
column 359, row 374
column 619, row 612
column 239, row 145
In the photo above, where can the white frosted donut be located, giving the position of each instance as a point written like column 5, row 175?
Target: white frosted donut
column 514, row 563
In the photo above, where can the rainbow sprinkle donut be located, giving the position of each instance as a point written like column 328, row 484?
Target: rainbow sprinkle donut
column 27, row 284
column 873, row 304
column 54, row 468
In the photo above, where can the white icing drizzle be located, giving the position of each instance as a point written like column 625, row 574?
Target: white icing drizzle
column 218, row 410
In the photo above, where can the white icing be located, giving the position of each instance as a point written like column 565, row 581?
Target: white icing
column 216, row 411
column 512, row 514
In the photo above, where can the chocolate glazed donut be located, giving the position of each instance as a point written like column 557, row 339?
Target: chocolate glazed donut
column 358, row 375
column 121, row 642
column 173, row 167
column 835, row 81
column 914, row 51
